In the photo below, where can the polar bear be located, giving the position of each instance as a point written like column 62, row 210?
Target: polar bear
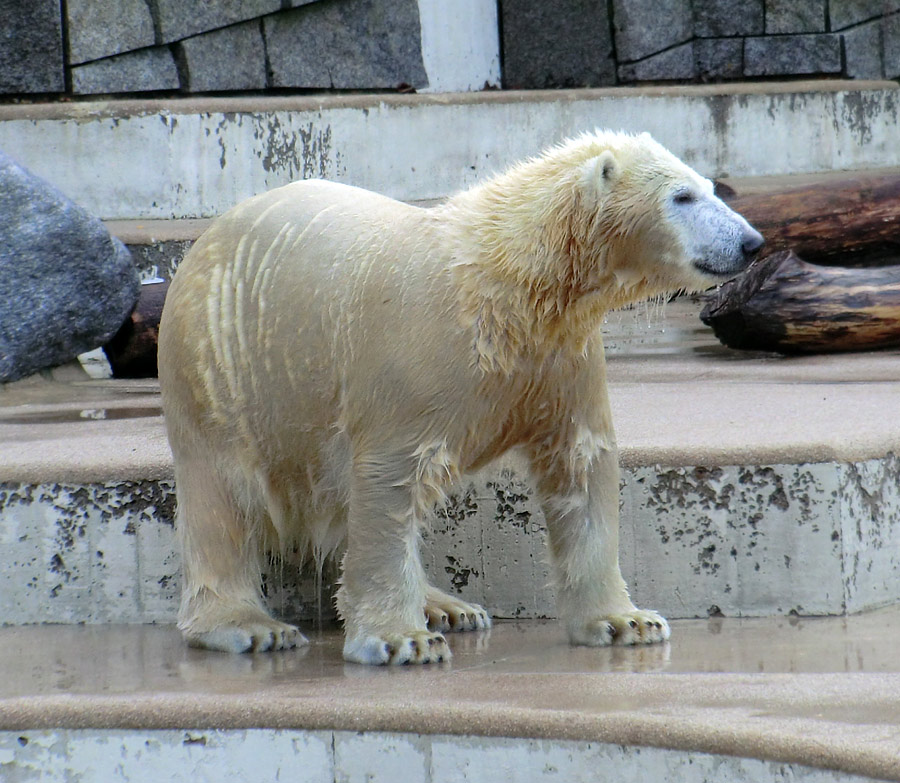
column 331, row 360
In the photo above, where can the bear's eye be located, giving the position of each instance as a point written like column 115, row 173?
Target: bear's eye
column 684, row 197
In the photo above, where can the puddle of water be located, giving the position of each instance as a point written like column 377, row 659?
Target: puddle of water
column 76, row 414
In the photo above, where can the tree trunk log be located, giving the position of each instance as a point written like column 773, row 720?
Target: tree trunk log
column 132, row 351
column 782, row 303
column 828, row 222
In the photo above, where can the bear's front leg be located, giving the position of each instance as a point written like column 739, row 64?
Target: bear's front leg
column 579, row 487
column 383, row 585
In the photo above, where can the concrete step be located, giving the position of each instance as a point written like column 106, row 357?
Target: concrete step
column 752, row 485
column 197, row 157
column 811, row 700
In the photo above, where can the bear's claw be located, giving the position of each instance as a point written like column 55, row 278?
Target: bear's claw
column 249, row 637
column 446, row 613
column 635, row 627
column 416, row 647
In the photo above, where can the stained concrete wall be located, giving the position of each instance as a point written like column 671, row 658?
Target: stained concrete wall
column 269, row 754
column 813, row 539
column 188, row 158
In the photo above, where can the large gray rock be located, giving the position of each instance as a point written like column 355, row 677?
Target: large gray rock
column 31, row 55
column 566, row 43
column 99, row 28
column 66, row 286
column 366, row 44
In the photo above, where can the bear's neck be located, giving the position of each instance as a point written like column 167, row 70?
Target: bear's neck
column 531, row 281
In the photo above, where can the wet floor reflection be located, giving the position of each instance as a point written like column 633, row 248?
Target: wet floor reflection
column 137, row 659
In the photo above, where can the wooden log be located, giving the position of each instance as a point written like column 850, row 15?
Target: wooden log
column 782, row 303
column 132, row 351
column 829, row 221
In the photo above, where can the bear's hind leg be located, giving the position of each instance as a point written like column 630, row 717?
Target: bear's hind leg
column 221, row 604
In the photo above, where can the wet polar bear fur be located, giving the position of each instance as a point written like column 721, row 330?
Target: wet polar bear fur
column 332, row 360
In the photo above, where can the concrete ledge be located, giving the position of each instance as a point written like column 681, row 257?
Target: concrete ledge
column 83, row 109
column 811, row 693
column 208, row 154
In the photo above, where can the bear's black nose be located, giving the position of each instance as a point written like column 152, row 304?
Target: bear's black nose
column 752, row 243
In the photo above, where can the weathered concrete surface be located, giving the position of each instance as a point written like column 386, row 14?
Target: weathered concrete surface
column 740, row 541
column 460, row 45
column 49, row 756
column 515, row 703
column 212, row 153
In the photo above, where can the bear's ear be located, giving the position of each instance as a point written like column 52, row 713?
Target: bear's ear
column 601, row 170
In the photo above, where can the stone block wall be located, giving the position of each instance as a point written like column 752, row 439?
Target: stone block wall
column 89, row 47
column 97, row 47
column 594, row 43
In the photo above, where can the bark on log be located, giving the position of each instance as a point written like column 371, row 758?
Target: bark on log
column 782, row 303
column 132, row 351
column 830, row 221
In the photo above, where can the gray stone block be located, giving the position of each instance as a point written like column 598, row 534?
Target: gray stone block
column 722, row 18
column 184, row 18
column 862, row 47
column 562, row 44
column 368, row 44
column 891, row 32
column 719, row 58
column 645, row 27
column 788, row 55
column 233, row 58
column 795, row 16
column 677, row 63
column 31, row 51
column 99, row 28
column 141, row 71
column 844, row 13
column 66, row 285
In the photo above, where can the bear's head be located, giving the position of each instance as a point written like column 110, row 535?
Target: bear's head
column 662, row 225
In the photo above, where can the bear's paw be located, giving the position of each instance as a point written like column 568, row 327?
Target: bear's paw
column 395, row 649
column 444, row 613
column 633, row 627
column 263, row 635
